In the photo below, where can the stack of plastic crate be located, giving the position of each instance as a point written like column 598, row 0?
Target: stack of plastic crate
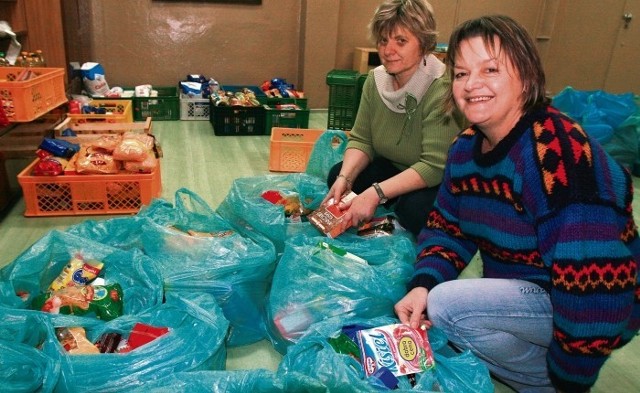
column 343, row 99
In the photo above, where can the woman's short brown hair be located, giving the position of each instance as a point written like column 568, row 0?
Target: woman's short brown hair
column 414, row 15
column 516, row 45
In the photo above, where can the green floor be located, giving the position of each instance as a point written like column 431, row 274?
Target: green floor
column 207, row 164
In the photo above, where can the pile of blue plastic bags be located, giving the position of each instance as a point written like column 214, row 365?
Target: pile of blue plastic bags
column 215, row 279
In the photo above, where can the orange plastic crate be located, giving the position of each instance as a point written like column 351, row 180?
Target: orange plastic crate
column 68, row 195
column 27, row 100
column 291, row 148
column 118, row 111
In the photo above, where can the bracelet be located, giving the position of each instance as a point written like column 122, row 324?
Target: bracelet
column 349, row 181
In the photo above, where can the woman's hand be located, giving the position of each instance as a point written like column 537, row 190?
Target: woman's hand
column 412, row 308
column 353, row 163
column 361, row 209
column 340, row 187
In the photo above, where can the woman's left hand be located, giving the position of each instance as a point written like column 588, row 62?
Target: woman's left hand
column 361, row 208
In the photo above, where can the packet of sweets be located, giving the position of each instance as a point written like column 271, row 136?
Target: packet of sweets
column 105, row 301
column 142, row 334
column 77, row 272
column 378, row 226
column 74, row 340
column 108, row 342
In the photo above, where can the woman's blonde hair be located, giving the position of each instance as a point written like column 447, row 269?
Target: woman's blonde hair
column 413, row 15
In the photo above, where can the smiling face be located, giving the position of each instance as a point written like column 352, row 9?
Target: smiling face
column 400, row 54
column 487, row 88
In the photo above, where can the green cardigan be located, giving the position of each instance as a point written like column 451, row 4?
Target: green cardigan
column 420, row 140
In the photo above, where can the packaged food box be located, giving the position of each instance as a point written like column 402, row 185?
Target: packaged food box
column 328, row 217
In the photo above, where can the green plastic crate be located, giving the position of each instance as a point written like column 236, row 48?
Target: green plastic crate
column 286, row 118
column 166, row 106
column 343, row 99
column 237, row 120
column 273, row 101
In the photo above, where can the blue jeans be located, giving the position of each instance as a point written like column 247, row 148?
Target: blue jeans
column 506, row 323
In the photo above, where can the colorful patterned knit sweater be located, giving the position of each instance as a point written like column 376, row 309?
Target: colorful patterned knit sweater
column 549, row 206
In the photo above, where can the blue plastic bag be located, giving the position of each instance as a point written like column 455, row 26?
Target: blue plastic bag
column 24, row 367
column 610, row 119
column 624, row 146
column 240, row 381
column 32, row 357
column 234, row 265
column 313, row 283
column 327, row 151
column 312, row 355
column 119, row 232
column 245, row 207
column 30, row 275
column 195, row 341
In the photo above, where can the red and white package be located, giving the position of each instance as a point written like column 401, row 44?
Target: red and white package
column 328, row 217
column 397, row 347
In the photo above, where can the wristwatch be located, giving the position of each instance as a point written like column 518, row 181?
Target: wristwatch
column 383, row 198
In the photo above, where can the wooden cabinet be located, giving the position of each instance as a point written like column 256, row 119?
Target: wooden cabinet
column 38, row 25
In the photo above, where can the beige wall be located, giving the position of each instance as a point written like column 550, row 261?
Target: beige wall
column 146, row 41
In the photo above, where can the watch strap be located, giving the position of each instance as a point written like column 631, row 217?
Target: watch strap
column 383, row 198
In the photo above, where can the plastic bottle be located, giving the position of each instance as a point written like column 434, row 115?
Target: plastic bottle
column 23, row 60
column 39, row 59
column 3, row 60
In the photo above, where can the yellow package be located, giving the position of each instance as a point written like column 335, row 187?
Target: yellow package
column 77, row 272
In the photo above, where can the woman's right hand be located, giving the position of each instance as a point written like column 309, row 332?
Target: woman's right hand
column 412, row 308
column 340, row 187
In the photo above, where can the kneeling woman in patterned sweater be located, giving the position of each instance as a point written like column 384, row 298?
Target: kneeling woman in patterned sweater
column 549, row 213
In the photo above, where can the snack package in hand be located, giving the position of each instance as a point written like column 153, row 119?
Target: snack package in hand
column 328, row 217
column 397, row 347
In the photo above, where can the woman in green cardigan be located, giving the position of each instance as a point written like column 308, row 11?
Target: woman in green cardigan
column 399, row 142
